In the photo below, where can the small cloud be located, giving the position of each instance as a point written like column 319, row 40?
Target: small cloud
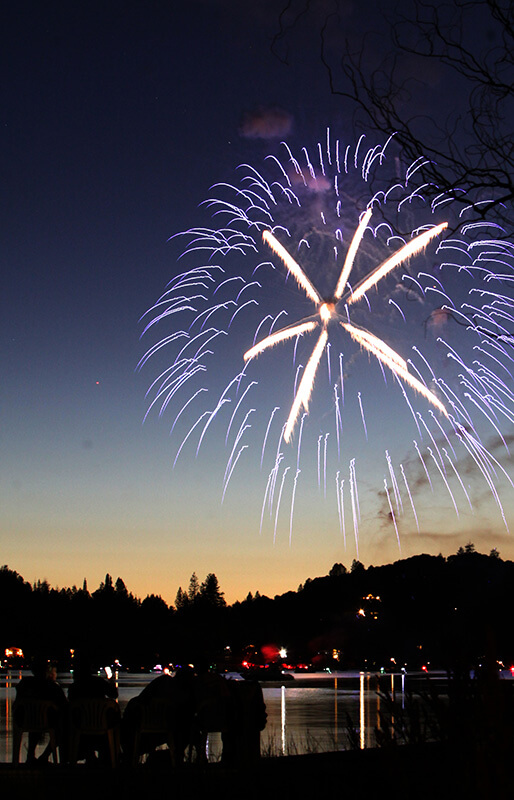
column 266, row 123
column 318, row 184
column 438, row 319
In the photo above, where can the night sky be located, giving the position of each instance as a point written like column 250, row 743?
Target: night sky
column 116, row 119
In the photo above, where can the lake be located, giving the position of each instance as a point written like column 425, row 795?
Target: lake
column 312, row 713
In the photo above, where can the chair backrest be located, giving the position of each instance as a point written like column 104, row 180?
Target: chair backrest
column 33, row 715
column 250, row 708
column 212, row 703
column 92, row 716
column 155, row 716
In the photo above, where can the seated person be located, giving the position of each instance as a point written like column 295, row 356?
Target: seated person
column 170, row 699
column 87, row 686
column 214, row 705
column 42, row 685
column 242, row 739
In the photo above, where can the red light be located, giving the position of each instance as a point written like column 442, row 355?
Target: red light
column 270, row 652
column 424, row 668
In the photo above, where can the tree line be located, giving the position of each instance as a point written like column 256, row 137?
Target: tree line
column 423, row 610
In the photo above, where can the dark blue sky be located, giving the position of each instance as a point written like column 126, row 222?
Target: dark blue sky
column 115, row 119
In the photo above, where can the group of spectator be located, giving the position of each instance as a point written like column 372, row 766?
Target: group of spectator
column 193, row 702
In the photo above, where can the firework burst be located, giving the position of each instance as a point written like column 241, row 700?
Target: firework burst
column 355, row 232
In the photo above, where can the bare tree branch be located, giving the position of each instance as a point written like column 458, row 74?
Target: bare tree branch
column 440, row 76
column 470, row 148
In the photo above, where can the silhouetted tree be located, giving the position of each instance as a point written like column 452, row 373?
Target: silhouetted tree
column 181, row 599
column 194, row 588
column 16, row 602
column 439, row 76
column 106, row 586
column 153, row 603
column 210, row 592
column 120, row 588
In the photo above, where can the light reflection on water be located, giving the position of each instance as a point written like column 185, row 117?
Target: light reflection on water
column 304, row 715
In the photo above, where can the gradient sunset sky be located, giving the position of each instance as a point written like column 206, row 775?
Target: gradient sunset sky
column 116, row 119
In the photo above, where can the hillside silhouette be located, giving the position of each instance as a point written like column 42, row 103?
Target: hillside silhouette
column 421, row 611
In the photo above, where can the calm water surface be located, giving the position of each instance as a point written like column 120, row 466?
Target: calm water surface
column 309, row 714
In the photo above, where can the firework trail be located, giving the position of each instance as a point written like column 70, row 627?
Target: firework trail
column 391, row 511
column 394, row 482
column 325, row 447
column 292, row 506
column 319, row 460
column 338, row 498
column 362, row 415
column 410, row 495
column 353, row 498
column 278, row 502
column 375, row 273
column 341, row 501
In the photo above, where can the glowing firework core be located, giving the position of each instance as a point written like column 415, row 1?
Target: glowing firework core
column 327, row 311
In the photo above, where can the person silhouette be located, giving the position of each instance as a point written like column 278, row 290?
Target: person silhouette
column 169, row 695
column 87, row 686
column 42, row 685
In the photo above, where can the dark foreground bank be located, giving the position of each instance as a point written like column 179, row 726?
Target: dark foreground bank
column 411, row 772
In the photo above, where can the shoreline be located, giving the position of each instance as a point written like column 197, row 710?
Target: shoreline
column 421, row 771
